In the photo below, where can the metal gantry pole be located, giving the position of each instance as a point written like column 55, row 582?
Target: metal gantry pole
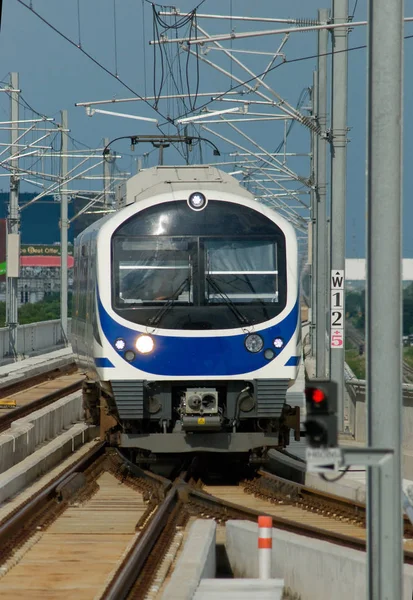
column 339, row 63
column 13, row 223
column 384, row 293
column 313, row 216
column 106, row 177
column 64, row 226
column 321, row 190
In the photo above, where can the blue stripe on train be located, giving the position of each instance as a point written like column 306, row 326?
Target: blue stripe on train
column 189, row 356
column 103, row 363
column 293, row 361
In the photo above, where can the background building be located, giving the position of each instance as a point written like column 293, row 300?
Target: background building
column 40, row 245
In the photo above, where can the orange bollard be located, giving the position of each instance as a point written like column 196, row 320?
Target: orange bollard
column 264, row 547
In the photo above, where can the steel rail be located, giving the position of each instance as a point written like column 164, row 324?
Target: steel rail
column 17, row 521
column 312, row 493
column 237, row 511
column 230, row 510
column 124, row 579
column 23, row 384
column 306, row 491
column 22, row 411
column 131, row 568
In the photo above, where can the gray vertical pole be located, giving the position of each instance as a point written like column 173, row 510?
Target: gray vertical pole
column 64, row 226
column 313, row 217
column 161, row 147
column 384, row 293
column 339, row 63
column 13, row 224
column 321, row 217
column 106, row 177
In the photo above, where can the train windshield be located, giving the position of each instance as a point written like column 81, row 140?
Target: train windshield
column 241, row 271
column 211, row 269
column 244, row 271
column 152, row 270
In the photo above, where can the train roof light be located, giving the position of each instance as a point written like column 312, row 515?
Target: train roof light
column 197, row 201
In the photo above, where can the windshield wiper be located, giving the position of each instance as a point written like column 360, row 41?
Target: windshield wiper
column 158, row 316
column 240, row 316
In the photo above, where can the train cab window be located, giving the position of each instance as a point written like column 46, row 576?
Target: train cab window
column 196, row 264
column 245, row 271
column 152, row 271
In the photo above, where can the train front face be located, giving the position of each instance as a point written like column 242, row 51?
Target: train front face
column 199, row 321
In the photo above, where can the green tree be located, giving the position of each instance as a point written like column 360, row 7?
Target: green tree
column 356, row 307
column 407, row 314
column 354, row 303
column 46, row 310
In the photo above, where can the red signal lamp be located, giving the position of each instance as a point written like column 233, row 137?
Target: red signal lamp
column 318, row 396
column 321, row 423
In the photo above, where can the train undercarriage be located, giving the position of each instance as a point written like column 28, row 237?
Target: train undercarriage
column 156, row 422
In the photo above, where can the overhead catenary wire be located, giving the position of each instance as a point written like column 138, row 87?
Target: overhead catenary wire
column 144, row 47
column 157, row 36
column 188, row 56
column 115, row 41
column 300, row 103
column 354, row 10
column 78, row 22
column 92, row 58
column 187, row 21
column 179, row 22
column 168, row 119
column 285, row 62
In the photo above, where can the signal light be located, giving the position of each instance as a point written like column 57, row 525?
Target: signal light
column 321, row 423
column 317, row 396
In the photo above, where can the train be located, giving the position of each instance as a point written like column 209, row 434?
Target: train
column 186, row 318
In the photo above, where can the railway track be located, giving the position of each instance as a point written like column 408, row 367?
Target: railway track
column 88, row 533
column 102, row 529
column 23, row 398
column 357, row 340
column 106, row 529
column 299, row 509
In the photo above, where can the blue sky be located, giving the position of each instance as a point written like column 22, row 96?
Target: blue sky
column 55, row 75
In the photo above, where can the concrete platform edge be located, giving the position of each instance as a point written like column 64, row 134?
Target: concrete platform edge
column 19, row 371
column 27, row 433
column 197, row 561
column 45, row 458
column 314, row 569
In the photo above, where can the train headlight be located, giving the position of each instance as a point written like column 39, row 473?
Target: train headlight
column 144, row 344
column 254, row 342
column 197, row 201
column 278, row 342
column 120, row 344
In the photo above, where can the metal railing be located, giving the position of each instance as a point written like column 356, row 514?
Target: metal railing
column 357, row 414
column 32, row 339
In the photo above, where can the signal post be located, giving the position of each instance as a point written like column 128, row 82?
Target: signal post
column 324, row 455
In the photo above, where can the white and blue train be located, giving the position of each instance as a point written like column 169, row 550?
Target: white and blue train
column 186, row 317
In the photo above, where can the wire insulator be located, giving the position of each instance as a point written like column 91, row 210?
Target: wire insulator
column 306, row 22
